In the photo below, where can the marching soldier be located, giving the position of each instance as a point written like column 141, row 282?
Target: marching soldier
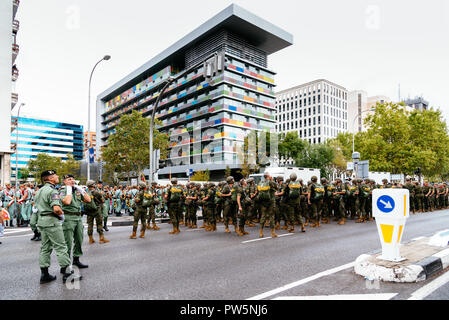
column 174, row 198
column 294, row 203
column 142, row 202
column 242, row 203
column 209, row 207
column 49, row 206
column 252, row 194
column 229, row 193
column 267, row 189
column 338, row 201
column 315, row 200
column 412, row 193
column 152, row 207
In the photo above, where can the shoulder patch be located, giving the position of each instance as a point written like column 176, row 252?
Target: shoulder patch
column 55, row 196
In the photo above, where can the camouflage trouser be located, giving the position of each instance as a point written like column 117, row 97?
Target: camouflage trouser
column 267, row 214
column 230, row 212
column 305, row 208
column 361, row 208
column 427, row 203
column 151, row 215
column 33, row 221
column 173, row 212
column 98, row 217
column 294, row 212
column 338, row 205
column 218, row 210
column 369, row 207
column 326, row 210
column 420, row 202
column 242, row 216
column 140, row 214
column 210, row 210
column 191, row 213
column 316, row 208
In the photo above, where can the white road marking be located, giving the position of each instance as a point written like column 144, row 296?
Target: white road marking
column 301, row 282
column 265, row 238
column 8, row 231
column 426, row 290
column 418, row 238
column 376, row 296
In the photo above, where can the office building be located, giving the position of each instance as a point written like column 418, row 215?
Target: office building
column 224, row 90
column 9, row 73
column 317, row 110
column 417, row 103
column 359, row 107
column 36, row 136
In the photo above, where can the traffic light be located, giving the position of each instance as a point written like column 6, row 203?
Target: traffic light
column 162, row 164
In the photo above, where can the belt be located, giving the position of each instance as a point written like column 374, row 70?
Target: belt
column 72, row 213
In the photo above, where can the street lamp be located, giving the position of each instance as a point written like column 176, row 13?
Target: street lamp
column 168, row 82
column 106, row 57
column 17, row 155
column 356, row 155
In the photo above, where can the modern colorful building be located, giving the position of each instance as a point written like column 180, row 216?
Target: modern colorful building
column 226, row 90
column 36, row 136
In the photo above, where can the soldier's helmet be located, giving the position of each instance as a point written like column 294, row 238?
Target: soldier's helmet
column 142, row 185
column 174, row 181
column 301, row 181
column 90, row 183
column 293, row 177
column 288, row 181
column 309, row 183
column 154, row 183
column 280, row 178
column 314, row 179
column 250, row 180
column 384, row 180
column 211, row 184
column 230, row 179
column 323, row 180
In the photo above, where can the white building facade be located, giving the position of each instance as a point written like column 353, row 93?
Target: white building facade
column 359, row 107
column 317, row 110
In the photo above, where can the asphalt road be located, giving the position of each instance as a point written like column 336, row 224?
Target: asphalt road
column 200, row 265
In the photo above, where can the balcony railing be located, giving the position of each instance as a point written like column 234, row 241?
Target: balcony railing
column 14, row 99
column 15, row 26
column 15, row 74
column 15, row 6
column 15, row 52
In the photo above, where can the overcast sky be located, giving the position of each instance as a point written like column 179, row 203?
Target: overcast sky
column 362, row 45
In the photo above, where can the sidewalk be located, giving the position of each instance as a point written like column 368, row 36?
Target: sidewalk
column 422, row 261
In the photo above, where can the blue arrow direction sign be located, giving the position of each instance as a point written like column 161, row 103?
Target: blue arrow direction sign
column 385, row 204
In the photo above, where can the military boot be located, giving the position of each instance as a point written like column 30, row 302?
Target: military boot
column 77, row 262
column 236, row 228
column 242, row 229
column 194, row 226
column 284, row 227
column 306, row 223
column 239, row 232
column 173, row 231
column 105, row 227
column 38, row 237
column 273, row 234
column 227, row 229
column 291, row 229
column 133, row 235
column 177, row 230
column 45, row 276
column 303, row 229
column 102, row 239
column 260, row 233
column 35, row 235
column 155, row 227
column 142, row 233
column 91, row 239
column 318, row 223
column 67, row 274
column 149, row 227
column 277, row 226
column 313, row 223
column 341, row 222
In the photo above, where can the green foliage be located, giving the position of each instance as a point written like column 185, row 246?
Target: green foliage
column 227, row 171
column 319, row 156
column 45, row 162
column 399, row 142
column 127, row 150
column 290, row 145
column 200, row 176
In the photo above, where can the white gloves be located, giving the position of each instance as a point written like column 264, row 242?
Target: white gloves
column 81, row 190
column 69, row 190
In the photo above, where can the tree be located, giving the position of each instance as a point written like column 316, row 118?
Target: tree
column 290, row 145
column 44, row 162
column 339, row 163
column 227, row 171
column 200, row 176
column 127, row 150
column 319, row 156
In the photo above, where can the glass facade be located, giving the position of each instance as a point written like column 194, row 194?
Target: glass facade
column 36, row 136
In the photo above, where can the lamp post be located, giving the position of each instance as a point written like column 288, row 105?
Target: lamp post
column 106, row 57
column 169, row 81
column 356, row 155
column 17, row 169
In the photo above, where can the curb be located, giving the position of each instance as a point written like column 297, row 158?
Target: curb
column 416, row 272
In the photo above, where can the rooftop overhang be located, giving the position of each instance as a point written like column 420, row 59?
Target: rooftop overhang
column 257, row 31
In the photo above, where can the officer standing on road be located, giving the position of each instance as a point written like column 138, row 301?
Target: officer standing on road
column 294, row 203
column 412, row 193
column 229, row 193
column 49, row 206
column 152, row 208
column 267, row 189
column 315, row 200
column 71, row 196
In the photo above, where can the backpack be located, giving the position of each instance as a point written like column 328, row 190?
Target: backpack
column 264, row 191
column 319, row 192
column 175, row 194
column 90, row 207
column 147, row 200
column 295, row 190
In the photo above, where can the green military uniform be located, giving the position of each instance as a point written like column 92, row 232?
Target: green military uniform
column 230, row 205
column 412, row 194
column 219, row 203
column 316, row 192
column 143, row 200
column 50, row 227
column 72, row 226
column 267, row 190
column 419, row 197
column 209, row 207
column 252, row 195
column 151, row 213
column 427, row 199
column 97, row 215
column 174, row 198
column 293, row 204
column 280, row 209
column 338, row 203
